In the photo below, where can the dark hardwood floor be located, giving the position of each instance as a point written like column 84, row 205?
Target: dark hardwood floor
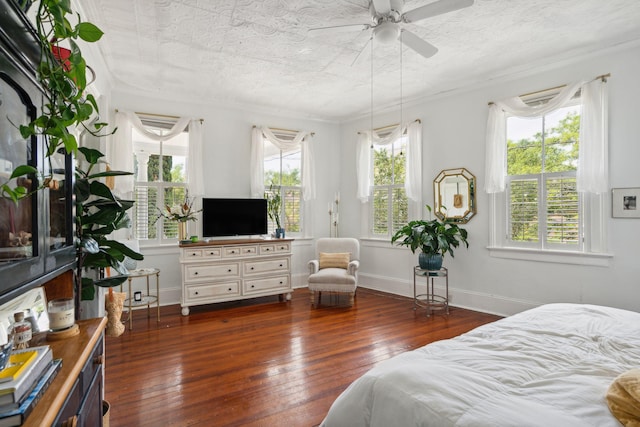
column 260, row 362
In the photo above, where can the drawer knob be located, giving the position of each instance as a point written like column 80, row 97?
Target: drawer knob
column 251, row 268
column 229, row 271
column 98, row 360
column 253, row 286
column 229, row 289
column 211, row 253
column 233, row 252
column 193, row 254
column 267, row 249
column 195, row 273
column 280, row 265
column 281, row 282
column 196, row 292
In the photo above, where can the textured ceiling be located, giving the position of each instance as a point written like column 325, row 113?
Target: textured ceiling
column 259, row 53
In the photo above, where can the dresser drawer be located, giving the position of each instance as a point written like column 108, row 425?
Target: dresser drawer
column 208, row 271
column 270, row 283
column 284, row 247
column 267, row 249
column 189, row 254
column 212, row 253
column 238, row 251
column 266, row 266
column 230, row 288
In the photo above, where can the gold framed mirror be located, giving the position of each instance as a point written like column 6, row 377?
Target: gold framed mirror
column 454, row 193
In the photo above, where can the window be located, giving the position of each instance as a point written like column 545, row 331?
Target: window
column 283, row 173
column 544, row 208
column 160, row 180
column 390, row 205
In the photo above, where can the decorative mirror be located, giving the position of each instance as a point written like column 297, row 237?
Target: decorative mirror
column 454, row 193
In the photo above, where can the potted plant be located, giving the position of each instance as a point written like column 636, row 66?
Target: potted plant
column 181, row 214
column 274, row 204
column 98, row 214
column 434, row 238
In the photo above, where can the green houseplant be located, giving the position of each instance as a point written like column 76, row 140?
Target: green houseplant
column 98, row 214
column 433, row 237
column 62, row 73
column 274, row 205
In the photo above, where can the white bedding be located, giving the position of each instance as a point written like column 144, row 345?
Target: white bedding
column 549, row 366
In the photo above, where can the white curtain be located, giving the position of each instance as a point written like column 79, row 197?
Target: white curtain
column 302, row 140
column 593, row 164
column 195, row 159
column 413, row 170
column 120, row 156
column 592, row 129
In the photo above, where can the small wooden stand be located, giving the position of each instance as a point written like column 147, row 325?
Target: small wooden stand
column 63, row 334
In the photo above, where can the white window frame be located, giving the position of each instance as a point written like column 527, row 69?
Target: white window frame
column 139, row 149
column 592, row 242
column 285, row 188
column 390, row 190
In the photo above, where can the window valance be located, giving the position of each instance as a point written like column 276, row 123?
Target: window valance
column 300, row 139
column 120, row 152
column 413, row 170
column 592, row 173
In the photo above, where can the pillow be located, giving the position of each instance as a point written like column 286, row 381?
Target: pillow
column 623, row 398
column 334, row 260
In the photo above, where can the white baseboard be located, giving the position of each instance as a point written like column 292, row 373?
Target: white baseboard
column 476, row 301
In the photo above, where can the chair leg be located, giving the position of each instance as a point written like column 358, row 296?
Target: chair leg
column 352, row 297
column 312, row 298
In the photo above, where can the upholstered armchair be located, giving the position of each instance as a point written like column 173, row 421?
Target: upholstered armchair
column 335, row 268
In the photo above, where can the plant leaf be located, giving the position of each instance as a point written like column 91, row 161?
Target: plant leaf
column 89, row 32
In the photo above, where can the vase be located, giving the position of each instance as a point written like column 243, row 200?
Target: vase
column 182, row 230
column 279, row 233
column 113, row 306
column 430, row 261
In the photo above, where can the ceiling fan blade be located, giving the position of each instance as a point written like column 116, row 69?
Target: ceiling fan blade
column 414, row 42
column 382, row 7
column 434, row 9
column 364, row 54
column 339, row 28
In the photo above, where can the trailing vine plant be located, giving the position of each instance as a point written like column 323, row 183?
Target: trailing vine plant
column 62, row 73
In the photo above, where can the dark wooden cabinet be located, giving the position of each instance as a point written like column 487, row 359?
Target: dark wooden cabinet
column 36, row 234
column 75, row 396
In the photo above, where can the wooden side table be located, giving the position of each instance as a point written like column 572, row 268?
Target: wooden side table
column 145, row 299
column 429, row 300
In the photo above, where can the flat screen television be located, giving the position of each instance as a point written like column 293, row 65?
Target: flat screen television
column 234, row 217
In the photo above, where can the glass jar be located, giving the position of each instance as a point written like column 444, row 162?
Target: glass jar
column 61, row 315
column 22, row 331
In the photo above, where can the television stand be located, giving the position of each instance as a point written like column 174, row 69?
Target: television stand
column 234, row 269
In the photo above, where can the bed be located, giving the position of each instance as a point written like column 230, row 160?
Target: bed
column 548, row 366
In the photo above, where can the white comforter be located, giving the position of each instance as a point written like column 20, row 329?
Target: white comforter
column 549, row 366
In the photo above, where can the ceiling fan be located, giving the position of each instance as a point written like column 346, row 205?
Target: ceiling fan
column 386, row 24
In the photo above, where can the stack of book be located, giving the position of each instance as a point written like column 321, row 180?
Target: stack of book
column 23, row 382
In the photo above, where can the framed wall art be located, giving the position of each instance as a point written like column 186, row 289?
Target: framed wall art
column 625, row 202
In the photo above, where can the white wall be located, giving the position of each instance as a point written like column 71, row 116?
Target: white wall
column 227, row 144
column 454, row 131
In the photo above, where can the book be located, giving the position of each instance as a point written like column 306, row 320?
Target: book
column 19, row 415
column 18, row 362
column 13, row 391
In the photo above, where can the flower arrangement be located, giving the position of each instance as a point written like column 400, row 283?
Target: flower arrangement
column 179, row 213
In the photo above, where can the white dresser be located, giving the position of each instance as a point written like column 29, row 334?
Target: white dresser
column 229, row 270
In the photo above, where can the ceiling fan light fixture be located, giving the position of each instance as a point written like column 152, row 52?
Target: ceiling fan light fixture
column 386, row 32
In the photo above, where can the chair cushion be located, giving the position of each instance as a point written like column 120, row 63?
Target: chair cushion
column 336, row 276
column 334, row 260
